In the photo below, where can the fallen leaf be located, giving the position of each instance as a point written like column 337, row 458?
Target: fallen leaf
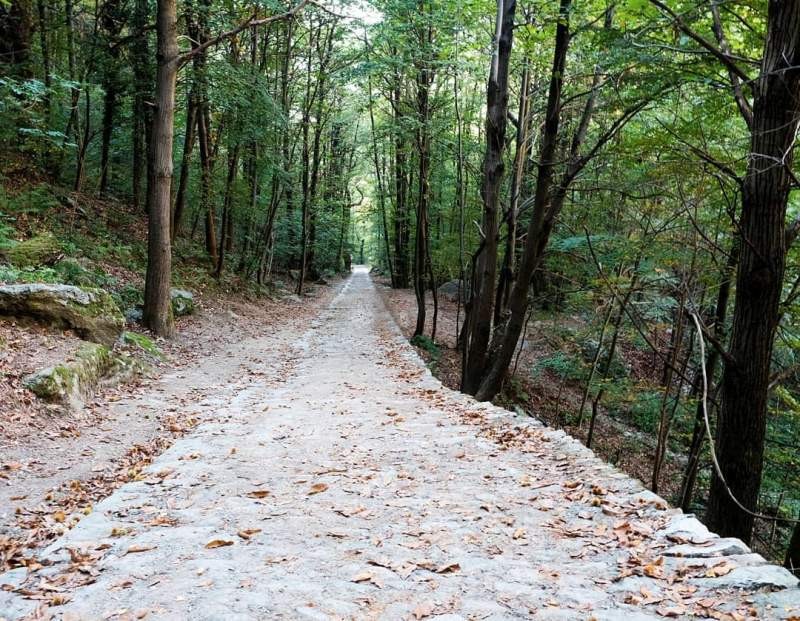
column 248, row 532
column 317, row 488
column 448, row 568
column 218, row 543
column 135, row 549
column 720, row 569
column 258, row 493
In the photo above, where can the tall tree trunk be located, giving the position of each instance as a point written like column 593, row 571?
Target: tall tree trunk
column 157, row 309
column 482, row 290
column 759, row 280
column 401, row 184
column 142, row 111
column 424, row 80
column 520, row 166
column 711, row 361
column 518, row 302
column 226, row 234
column 792, row 561
column 183, row 180
column 44, row 42
column 16, row 35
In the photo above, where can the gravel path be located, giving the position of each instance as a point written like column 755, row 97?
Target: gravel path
column 358, row 488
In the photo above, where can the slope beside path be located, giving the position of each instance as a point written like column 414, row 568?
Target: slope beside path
column 359, row 488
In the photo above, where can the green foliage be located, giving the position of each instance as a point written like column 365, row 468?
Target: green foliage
column 427, row 345
column 564, row 365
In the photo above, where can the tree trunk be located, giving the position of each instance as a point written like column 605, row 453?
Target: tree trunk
column 142, row 112
column 759, row 280
column 483, row 288
column 712, row 358
column 538, row 226
column 183, row 181
column 792, row 562
column 157, row 309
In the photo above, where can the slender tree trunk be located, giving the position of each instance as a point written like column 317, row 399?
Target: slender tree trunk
column 792, row 561
column 157, row 309
column 759, row 280
column 712, row 359
column 482, row 289
column 183, row 180
column 520, row 162
column 142, row 111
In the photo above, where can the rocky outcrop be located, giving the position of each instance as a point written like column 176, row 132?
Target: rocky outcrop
column 69, row 383
column 94, row 366
column 92, row 313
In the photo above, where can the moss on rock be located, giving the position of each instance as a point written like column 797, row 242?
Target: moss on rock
column 92, row 313
column 71, row 382
column 182, row 302
column 143, row 343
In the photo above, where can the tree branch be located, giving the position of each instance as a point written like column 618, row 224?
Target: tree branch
column 250, row 23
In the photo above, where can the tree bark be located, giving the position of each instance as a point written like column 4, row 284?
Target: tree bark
column 759, row 280
column 537, row 228
column 483, row 288
column 157, row 308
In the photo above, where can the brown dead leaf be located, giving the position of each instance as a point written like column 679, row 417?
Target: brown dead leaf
column 367, row 576
column 258, row 493
column 218, row 543
column 448, row 568
column 671, row 611
column 135, row 549
column 317, row 488
column 720, row 569
column 248, row 532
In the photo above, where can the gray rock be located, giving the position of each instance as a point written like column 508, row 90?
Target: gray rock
column 92, row 313
column 450, row 290
column 755, row 577
column 717, row 547
column 134, row 315
column 182, row 302
column 71, row 382
column 14, row 577
column 687, row 529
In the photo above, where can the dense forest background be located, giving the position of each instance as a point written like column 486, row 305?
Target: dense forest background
column 616, row 176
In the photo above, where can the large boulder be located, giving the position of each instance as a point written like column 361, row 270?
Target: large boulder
column 71, row 382
column 182, row 302
column 450, row 291
column 92, row 313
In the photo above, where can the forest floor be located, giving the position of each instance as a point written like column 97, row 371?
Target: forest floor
column 332, row 477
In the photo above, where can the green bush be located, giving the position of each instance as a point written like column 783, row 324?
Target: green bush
column 562, row 364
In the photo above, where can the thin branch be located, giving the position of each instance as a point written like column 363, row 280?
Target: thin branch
column 250, row 23
column 724, row 58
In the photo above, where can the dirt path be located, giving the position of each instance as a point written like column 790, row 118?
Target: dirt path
column 359, row 488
